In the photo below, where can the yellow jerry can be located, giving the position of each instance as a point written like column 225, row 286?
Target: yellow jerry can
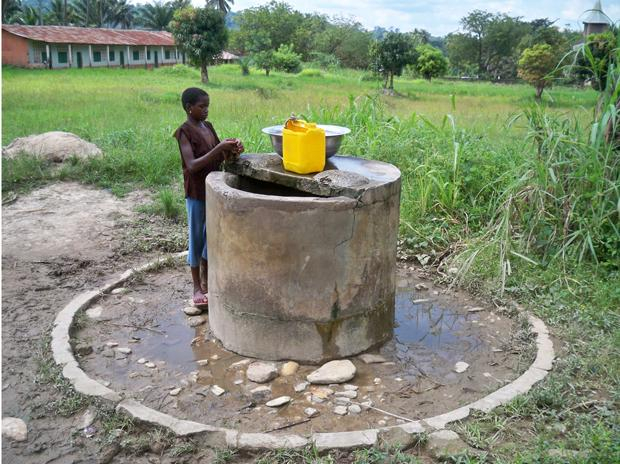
column 303, row 146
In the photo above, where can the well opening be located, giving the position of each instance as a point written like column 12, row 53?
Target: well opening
column 260, row 187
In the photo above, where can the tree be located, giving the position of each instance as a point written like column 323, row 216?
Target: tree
column 285, row 59
column 222, row 5
column 477, row 23
column 261, row 51
column 430, row 62
column 156, row 15
column 11, row 11
column 201, row 33
column 347, row 41
column 390, row 56
column 536, row 65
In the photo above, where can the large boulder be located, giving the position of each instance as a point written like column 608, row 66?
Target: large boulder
column 53, row 146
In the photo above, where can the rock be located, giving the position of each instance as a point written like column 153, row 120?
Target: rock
column 192, row 310
column 217, row 390
column 323, row 392
column 119, row 356
column 83, row 349
column 366, row 405
column 124, row 350
column 53, row 146
column 341, row 410
column 289, row 368
column 311, row 412
column 260, row 394
column 396, row 437
column 141, row 361
column 444, row 443
column 277, row 402
column 301, row 386
column 369, row 358
column 347, row 394
column 381, row 423
column 14, row 429
column 202, row 362
column 460, row 367
column 109, row 452
column 119, row 291
column 349, row 387
column 421, row 287
column 174, row 392
column 355, row 409
column 238, row 364
column 376, row 381
column 453, row 270
column 150, row 365
column 341, row 401
column 261, row 372
column 238, row 382
column 317, row 399
column 196, row 321
column 94, row 312
column 333, row 372
column 215, row 357
column 475, row 310
column 88, row 418
column 111, row 344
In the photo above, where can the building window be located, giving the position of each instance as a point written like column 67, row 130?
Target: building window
column 97, row 57
column 136, row 55
column 167, row 54
column 111, row 56
column 148, row 55
column 62, row 57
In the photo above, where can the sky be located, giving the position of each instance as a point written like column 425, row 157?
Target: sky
column 440, row 17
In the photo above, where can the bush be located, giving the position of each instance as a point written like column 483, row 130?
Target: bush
column 285, row 59
column 179, row 70
column 324, row 61
column 311, row 72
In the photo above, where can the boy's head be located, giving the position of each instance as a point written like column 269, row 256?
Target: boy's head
column 195, row 103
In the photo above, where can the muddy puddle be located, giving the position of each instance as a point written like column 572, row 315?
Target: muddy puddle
column 434, row 330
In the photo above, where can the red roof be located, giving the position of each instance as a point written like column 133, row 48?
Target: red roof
column 89, row 35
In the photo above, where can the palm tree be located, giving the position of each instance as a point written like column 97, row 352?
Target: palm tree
column 125, row 14
column 60, row 13
column 222, row 5
column 156, row 15
column 11, row 11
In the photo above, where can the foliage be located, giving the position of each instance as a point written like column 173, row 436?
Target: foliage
column 536, row 65
column 285, row 59
column 390, row 55
column 594, row 57
column 156, row 15
column 244, row 64
column 347, row 41
column 430, row 62
column 201, row 33
column 222, row 5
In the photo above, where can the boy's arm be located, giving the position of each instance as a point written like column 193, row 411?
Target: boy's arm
column 210, row 160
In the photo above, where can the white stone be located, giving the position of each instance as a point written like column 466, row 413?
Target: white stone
column 260, row 394
column 196, row 321
column 124, row 350
column 453, row 270
column 333, row 372
column 119, row 291
column 475, row 309
column 174, row 392
column 317, row 399
column 215, row 357
column 88, row 418
column 369, row 358
column 217, row 390
column 322, row 392
column 289, row 368
column 460, row 367
column 311, row 412
column 14, row 428
column 56, row 146
column 381, row 423
column 261, row 372
column 111, row 344
column 192, row 310
column 421, row 287
column 341, row 401
column 301, row 386
column 349, row 387
column 141, row 361
column 355, row 409
column 280, row 401
column 150, row 365
column 347, row 394
column 94, row 312
column 238, row 364
column 238, row 382
column 366, row 405
column 376, row 381
column 341, row 410
column 443, row 443
column 202, row 362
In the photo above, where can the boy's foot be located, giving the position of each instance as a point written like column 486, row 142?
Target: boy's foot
column 200, row 300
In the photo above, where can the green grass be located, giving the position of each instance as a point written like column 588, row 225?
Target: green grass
column 522, row 199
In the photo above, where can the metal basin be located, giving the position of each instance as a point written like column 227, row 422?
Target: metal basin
column 333, row 137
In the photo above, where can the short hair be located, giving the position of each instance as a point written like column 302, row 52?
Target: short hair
column 191, row 96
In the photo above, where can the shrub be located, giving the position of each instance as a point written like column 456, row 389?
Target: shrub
column 311, row 72
column 285, row 59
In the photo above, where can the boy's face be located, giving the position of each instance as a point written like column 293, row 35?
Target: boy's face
column 199, row 110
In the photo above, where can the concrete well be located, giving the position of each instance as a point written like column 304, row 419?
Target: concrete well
column 302, row 267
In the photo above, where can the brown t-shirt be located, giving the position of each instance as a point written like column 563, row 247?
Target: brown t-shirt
column 202, row 140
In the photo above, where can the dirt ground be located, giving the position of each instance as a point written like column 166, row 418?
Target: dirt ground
column 66, row 238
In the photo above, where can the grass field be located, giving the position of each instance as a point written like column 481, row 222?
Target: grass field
column 519, row 197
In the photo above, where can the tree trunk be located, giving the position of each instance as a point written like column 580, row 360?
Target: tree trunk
column 391, row 81
column 204, row 73
column 267, row 72
column 539, row 91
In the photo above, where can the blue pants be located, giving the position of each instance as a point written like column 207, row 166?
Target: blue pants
column 197, row 227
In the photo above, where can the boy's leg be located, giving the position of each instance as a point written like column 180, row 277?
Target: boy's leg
column 197, row 239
